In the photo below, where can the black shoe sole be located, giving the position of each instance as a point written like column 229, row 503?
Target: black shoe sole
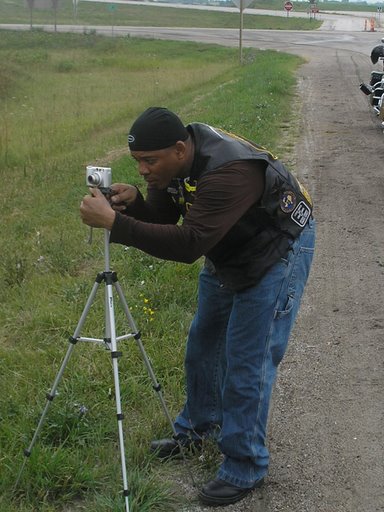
column 213, row 501
column 217, row 501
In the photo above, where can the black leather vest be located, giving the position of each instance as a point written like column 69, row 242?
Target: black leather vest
column 264, row 233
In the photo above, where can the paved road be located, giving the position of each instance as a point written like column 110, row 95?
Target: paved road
column 339, row 31
column 287, row 40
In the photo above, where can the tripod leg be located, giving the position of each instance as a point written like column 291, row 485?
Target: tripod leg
column 110, row 325
column 52, row 394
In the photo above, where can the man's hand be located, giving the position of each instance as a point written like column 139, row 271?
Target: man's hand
column 96, row 211
column 122, row 196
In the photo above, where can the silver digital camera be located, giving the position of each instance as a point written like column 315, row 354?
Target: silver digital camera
column 100, row 177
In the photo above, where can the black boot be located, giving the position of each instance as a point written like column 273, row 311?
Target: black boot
column 167, row 448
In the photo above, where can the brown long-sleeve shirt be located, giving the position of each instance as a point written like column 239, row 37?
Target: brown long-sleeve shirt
column 222, row 197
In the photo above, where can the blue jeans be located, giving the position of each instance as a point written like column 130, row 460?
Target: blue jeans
column 235, row 344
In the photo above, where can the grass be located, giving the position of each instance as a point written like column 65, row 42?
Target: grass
column 67, row 101
column 96, row 13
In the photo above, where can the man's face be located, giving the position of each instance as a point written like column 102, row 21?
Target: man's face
column 159, row 167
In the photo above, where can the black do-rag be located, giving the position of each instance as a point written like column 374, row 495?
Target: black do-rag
column 156, row 128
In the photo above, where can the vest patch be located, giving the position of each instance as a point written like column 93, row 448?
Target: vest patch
column 301, row 214
column 288, row 201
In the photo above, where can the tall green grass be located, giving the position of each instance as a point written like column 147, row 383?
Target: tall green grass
column 67, row 101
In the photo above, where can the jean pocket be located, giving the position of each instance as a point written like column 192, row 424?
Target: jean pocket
column 280, row 313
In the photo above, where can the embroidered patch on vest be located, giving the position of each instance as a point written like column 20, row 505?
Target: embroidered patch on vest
column 288, row 201
column 301, row 214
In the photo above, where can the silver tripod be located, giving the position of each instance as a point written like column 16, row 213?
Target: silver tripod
column 110, row 341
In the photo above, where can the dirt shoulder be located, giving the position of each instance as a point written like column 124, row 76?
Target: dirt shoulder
column 327, row 438
column 326, row 427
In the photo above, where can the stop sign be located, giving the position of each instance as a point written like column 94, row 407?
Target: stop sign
column 288, row 6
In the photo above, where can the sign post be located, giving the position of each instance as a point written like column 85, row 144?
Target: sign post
column 241, row 4
column 112, row 8
column 313, row 9
column 75, row 3
column 288, row 6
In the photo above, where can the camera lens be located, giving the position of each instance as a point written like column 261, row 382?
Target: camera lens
column 94, row 179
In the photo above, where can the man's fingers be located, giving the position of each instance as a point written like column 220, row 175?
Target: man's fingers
column 95, row 192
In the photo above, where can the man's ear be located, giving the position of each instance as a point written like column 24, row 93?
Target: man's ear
column 180, row 148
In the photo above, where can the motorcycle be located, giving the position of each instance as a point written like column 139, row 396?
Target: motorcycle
column 375, row 88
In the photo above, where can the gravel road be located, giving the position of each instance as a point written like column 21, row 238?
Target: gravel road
column 326, row 427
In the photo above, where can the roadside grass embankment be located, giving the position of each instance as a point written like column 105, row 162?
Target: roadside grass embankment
column 67, row 101
column 96, row 13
